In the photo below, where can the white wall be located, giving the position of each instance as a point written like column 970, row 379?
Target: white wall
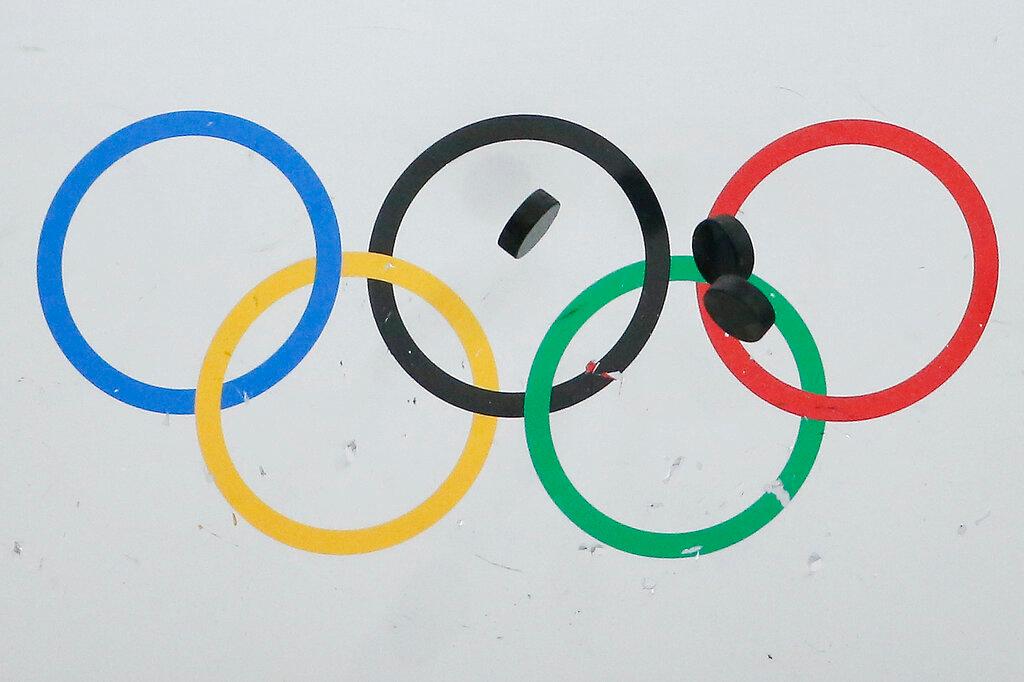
column 129, row 563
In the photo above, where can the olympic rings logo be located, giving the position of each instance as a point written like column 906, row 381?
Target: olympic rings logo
column 483, row 398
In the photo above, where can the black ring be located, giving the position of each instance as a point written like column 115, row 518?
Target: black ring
column 657, row 257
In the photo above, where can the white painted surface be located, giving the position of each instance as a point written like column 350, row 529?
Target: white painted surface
column 901, row 557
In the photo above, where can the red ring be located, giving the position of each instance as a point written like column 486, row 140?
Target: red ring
column 983, row 288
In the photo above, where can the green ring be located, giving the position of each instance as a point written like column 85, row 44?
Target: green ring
column 537, row 413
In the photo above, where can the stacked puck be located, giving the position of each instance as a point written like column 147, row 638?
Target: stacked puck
column 725, row 257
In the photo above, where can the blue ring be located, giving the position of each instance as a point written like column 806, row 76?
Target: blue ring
column 49, row 264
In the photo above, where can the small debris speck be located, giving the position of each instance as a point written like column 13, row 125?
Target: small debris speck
column 590, row 547
column 962, row 529
column 262, row 471
column 348, row 455
column 234, row 519
column 649, row 586
column 814, row 562
column 17, row 547
column 672, row 469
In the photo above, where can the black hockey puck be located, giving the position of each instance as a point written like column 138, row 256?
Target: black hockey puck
column 739, row 308
column 722, row 246
column 528, row 223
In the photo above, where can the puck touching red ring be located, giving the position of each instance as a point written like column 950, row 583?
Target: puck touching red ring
column 983, row 288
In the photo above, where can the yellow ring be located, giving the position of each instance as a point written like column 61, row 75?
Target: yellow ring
column 324, row 540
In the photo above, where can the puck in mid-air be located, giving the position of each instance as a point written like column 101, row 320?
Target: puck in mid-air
column 528, row 224
column 739, row 308
column 722, row 246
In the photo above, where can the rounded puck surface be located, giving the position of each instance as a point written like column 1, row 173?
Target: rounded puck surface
column 528, row 223
column 722, row 246
column 739, row 308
